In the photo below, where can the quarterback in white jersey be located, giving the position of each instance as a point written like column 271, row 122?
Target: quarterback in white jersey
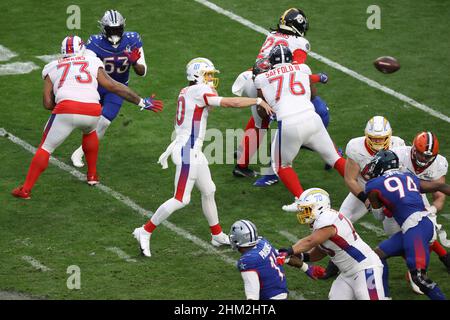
column 70, row 92
column 359, row 151
column 361, row 269
column 286, row 88
column 186, row 151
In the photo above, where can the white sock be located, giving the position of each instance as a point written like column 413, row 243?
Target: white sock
column 102, row 125
column 210, row 209
column 165, row 210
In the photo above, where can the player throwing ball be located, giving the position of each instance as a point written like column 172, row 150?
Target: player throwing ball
column 186, row 150
column 70, row 91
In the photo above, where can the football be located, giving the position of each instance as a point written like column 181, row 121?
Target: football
column 262, row 113
column 386, row 64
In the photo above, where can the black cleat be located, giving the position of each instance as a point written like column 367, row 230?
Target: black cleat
column 331, row 271
column 243, row 172
column 446, row 261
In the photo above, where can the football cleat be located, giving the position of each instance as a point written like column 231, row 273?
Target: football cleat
column 19, row 192
column 220, row 239
column 143, row 238
column 293, row 207
column 244, row 172
column 77, row 158
column 446, row 261
column 92, row 179
column 414, row 286
column 266, row 180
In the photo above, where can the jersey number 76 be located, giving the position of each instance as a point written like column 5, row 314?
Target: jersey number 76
column 295, row 87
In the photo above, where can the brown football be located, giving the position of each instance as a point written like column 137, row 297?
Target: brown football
column 386, row 64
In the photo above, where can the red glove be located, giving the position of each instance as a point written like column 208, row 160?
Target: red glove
column 315, row 272
column 150, row 103
column 281, row 258
column 133, row 55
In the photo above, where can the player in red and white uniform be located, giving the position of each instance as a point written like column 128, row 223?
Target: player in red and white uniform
column 361, row 270
column 290, row 32
column 360, row 151
column 287, row 89
column 70, row 91
column 423, row 160
column 186, row 151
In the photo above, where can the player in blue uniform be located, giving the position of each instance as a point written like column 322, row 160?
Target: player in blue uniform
column 398, row 194
column 263, row 278
column 119, row 51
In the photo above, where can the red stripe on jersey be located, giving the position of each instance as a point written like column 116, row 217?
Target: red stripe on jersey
column 206, row 95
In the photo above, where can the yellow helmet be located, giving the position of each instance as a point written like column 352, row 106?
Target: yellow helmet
column 378, row 134
column 311, row 204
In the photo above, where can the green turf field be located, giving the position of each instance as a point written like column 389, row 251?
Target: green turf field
column 67, row 223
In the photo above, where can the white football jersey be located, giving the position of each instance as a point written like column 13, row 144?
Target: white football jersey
column 346, row 249
column 74, row 78
column 292, row 42
column 286, row 89
column 192, row 114
column 437, row 169
column 358, row 151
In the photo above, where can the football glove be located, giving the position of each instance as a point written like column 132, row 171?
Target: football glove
column 323, row 77
column 313, row 271
column 133, row 55
column 150, row 103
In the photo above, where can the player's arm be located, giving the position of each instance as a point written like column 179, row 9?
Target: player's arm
column 251, row 284
column 314, row 239
column 116, row 87
column 433, row 186
column 351, row 179
column 237, row 102
column 377, row 209
column 438, row 197
column 140, row 67
column 48, row 98
column 316, row 254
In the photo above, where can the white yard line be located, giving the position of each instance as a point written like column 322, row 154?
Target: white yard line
column 49, row 57
column 332, row 64
column 133, row 205
column 6, row 54
column 292, row 238
column 35, row 263
column 121, row 254
column 17, row 68
column 380, row 232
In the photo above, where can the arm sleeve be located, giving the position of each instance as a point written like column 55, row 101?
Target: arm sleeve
column 212, row 100
column 141, row 61
column 299, row 56
column 251, row 284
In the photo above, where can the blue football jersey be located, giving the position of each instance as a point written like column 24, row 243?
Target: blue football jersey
column 262, row 260
column 115, row 61
column 399, row 192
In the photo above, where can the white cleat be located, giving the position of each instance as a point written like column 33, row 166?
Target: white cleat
column 77, row 158
column 414, row 286
column 143, row 237
column 291, row 207
column 220, row 239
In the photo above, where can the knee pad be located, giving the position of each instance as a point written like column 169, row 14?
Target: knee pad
column 420, row 278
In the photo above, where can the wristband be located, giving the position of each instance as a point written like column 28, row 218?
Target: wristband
column 141, row 103
column 304, row 267
column 432, row 210
column 362, row 196
column 258, row 101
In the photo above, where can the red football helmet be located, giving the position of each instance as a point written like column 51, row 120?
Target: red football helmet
column 425, row 149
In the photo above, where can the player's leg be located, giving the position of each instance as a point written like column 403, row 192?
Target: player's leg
column 207, row 189
column 268, row 175
column 90, row 144
column 415, row 242
column 57, row 129
column 184, row 181
column 353, row 208
column 322, row 143
column 341, row 290
column 285, row 148
column 111, row 104
column 368, row 285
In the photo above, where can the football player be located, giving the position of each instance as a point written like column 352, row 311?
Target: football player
column 120, row 51
column 186, row 150
column 361, row 270
column 287, row 89
column 424, row 161
column 291, row 29
column 70, row 92
column 397, row 194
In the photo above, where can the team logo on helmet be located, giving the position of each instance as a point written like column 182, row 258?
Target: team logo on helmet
column 112, row 26
column 425, row 149
column 243, row 234
column 378, row 134
column 383, row 161
column 311, row 204
column 202, row 70
column 293, row 21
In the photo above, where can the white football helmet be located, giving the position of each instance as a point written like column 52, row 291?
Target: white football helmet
column 202, row 70
column 243, row 234
column 378, row 134
column 71, row 46
column 112, row 25
column 311, row 204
